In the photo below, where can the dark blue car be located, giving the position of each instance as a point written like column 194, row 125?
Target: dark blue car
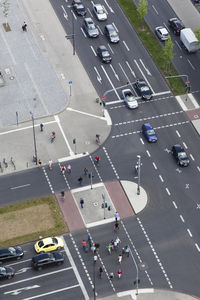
column 149, row 133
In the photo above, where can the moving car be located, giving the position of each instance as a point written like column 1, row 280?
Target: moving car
column 90, row 28
column 79, row 8
column 143, row 89
column 179, row 154
column 189, row 40
column 104, row 54
column 176, row 25
column 48, row 244
column 111, row 33
column 10, row 253
column 149, row 133
column 6, row 272
column 162, row 33
column 47, row 259
column 129, row 99
column 99, row 12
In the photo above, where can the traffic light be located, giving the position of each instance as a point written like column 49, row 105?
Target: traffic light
column 187, row 86
column 74, row 141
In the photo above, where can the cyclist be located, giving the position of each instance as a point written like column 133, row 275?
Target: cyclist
column 97, row 159
column 63, row 169
column 98, row 138
column 116, row 227
column 69, row 169
column 53, row 136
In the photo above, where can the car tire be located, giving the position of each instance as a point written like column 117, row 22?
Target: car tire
column 9, row 276
column 19, row 257
column 59, row 263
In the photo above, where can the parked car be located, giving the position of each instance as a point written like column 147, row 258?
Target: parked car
column 162, row 33
column 47, row 259
column 129, row 99
column 11, row 253
column 143, row 89
column 48, row 244
column 179, row 154
column 149, row 133
column 99, row 12
column 6, row 272
column 79, row 8
column 176, row 25
column 104, row 54
column 90, row 28
column 111, row 33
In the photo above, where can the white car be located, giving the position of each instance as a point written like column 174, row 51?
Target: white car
column 99, row 12
column 129, row 99
column 162, row 33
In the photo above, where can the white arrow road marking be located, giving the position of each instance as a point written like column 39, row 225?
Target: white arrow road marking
column 22, row 270
column 143, row 75
column 148, row 73
column 18, row 291
column 114, row 72
column 98, row 75
column 132, row 72
column 65, row 13
column 111, row 10
column 114, row 89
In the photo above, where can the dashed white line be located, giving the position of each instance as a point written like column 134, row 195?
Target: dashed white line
column 189, row 232
column 155, row 165
column 127, row 48
column 197, row 246
column 149, row 155
column 192, row 157
column 191, row 64
column 184, row 144
column 182, row 219
column 198, row 168
column 155, row 9
column 115, row 27
column 161, row 178
column 174, row 204
column 178, row 133
column 168, row 192
column 83, row 32
column 141, row 140
column 93, row 50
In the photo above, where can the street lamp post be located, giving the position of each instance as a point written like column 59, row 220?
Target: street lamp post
column 34, row 139
column 94, row 277
column 137, row 273
column 138, row 170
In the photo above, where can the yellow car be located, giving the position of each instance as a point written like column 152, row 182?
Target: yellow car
column 48, row 244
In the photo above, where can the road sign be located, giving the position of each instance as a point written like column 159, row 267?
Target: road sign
column 70, row 82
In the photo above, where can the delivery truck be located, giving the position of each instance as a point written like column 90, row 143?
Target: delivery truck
column 189, row 40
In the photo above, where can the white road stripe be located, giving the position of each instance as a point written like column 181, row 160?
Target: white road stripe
column 192, row 157
column 132, row 72
column 112, row 85
column 161, row 178
column 182, row 219
column 197, row 246
column 174, row 204
column 127, row 48
column 141, row 140
column 154, row 165
column 63, row 134
column 93, row 50
column 168, row 192
column 181, row 103
column 189, row 232
column 144, row 76
column 193, row 100
column 155, row 9
column 184, row 144
column 20, row 186
column 198, row 168
column 178, row 133
column 149, row 155
column 191, row 64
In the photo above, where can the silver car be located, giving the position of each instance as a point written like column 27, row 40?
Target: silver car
column 162, row 33
column 90, row 28
column 99, row 12
column 129, row 99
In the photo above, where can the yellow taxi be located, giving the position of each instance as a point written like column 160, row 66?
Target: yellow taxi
column 49, row 244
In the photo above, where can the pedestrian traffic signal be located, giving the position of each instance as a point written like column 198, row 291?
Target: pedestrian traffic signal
column 74, row 141
column 187, row 86
column 90, row 174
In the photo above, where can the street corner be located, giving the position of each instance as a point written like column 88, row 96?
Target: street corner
column 137, row 196
column 193, row 114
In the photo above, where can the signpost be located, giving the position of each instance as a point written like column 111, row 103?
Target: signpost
column 70, row 87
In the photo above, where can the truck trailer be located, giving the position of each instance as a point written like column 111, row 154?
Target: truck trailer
column 189, row 40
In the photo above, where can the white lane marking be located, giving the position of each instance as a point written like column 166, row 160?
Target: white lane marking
column 112, row 85
column 161, row 178
column 74, row 15
column 23, row 270
column 197, row 246
column 155, row 9
column 115, row 27
column 127, row 48
column 182, row 219
column 125, row 75
column 114, row 72
column 155, row 165
column 141, row 140
column 65, row 13
column 162, row 93
column 194, row 102
column 181, row 103
column 84, row 113
column 192, row 157
column 198, row 168
column 98, row 75
column 18, row 262
column 168, row 192
column 20, row 186
column 184, row 144
column 78, row 277
column 149, row 155
column 144, row 76
column 83, row 32
column 189, row 232
column 90, row 12
column 111, row 163
column 63, row 134
column 100, row 29
column 111, row 10
column 146, row 69
column 93, row 50
column 18, row 291
column 174, row 204
column 191, row 64
column 132, row 72
column 178, row 45
column 110, row 49
column 178, row 133
column 166, row 26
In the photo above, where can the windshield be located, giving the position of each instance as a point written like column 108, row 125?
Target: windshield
column 130, row 98
column 150, row 132
column 12, row 250
column 105, row 53
column 55, row 241
column 100, row 11
column 182, row 155
column 40, row 244
column 144, row 88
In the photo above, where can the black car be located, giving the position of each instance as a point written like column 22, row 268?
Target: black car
column 47, row 259
column 104, row 54
column 6, row 272
column 143, row 89
column 79, row 8
column 176, row 25
column 10, row 253
column 181, row 157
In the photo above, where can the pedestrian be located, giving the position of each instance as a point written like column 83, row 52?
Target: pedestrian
column 116, row 227
column 50, row 164
column 39, row 163
column 41, row 127
column 115, row 246
column 100, row 271
column 89, row 240
column 120, row 259
column 81, row 202
column 95, row 258
column 116, row 216
column 24, row 26
column 109, row 247
column 69, row 169
column 111, row 276
column 112, row 243
column 97, row 245
column 127, row 250
column 80, row 180
column 85, row 171
column 119, row 272
column 63, row 169
column 117, row 241
column 93, row 249
column 84, row 245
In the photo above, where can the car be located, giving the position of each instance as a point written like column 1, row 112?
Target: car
column 143, row 89
column 176, row 25
column 104, row 54
column 99, row 12
column 79, row 8
column 47, row 259
column 179, row 154
column 48, row 244
column 149, row 133
column 90, row 28
column 6, row 272
column 162, row 33
column 11, row 253
column 129, row 99
column 111, row 33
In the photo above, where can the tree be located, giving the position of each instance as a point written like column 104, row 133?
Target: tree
column 197, row 34
column 5, row 7
column 142, row 9
column 168, row 52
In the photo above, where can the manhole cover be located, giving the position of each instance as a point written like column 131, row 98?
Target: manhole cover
column 143, row 266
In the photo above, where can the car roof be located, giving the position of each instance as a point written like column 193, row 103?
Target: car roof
column 47, row 240
column 179, row 148
column 163, row 30
column 110, row 26
column 42, row 256
column 148, row 126
column 102, row 47
column 89, row 20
